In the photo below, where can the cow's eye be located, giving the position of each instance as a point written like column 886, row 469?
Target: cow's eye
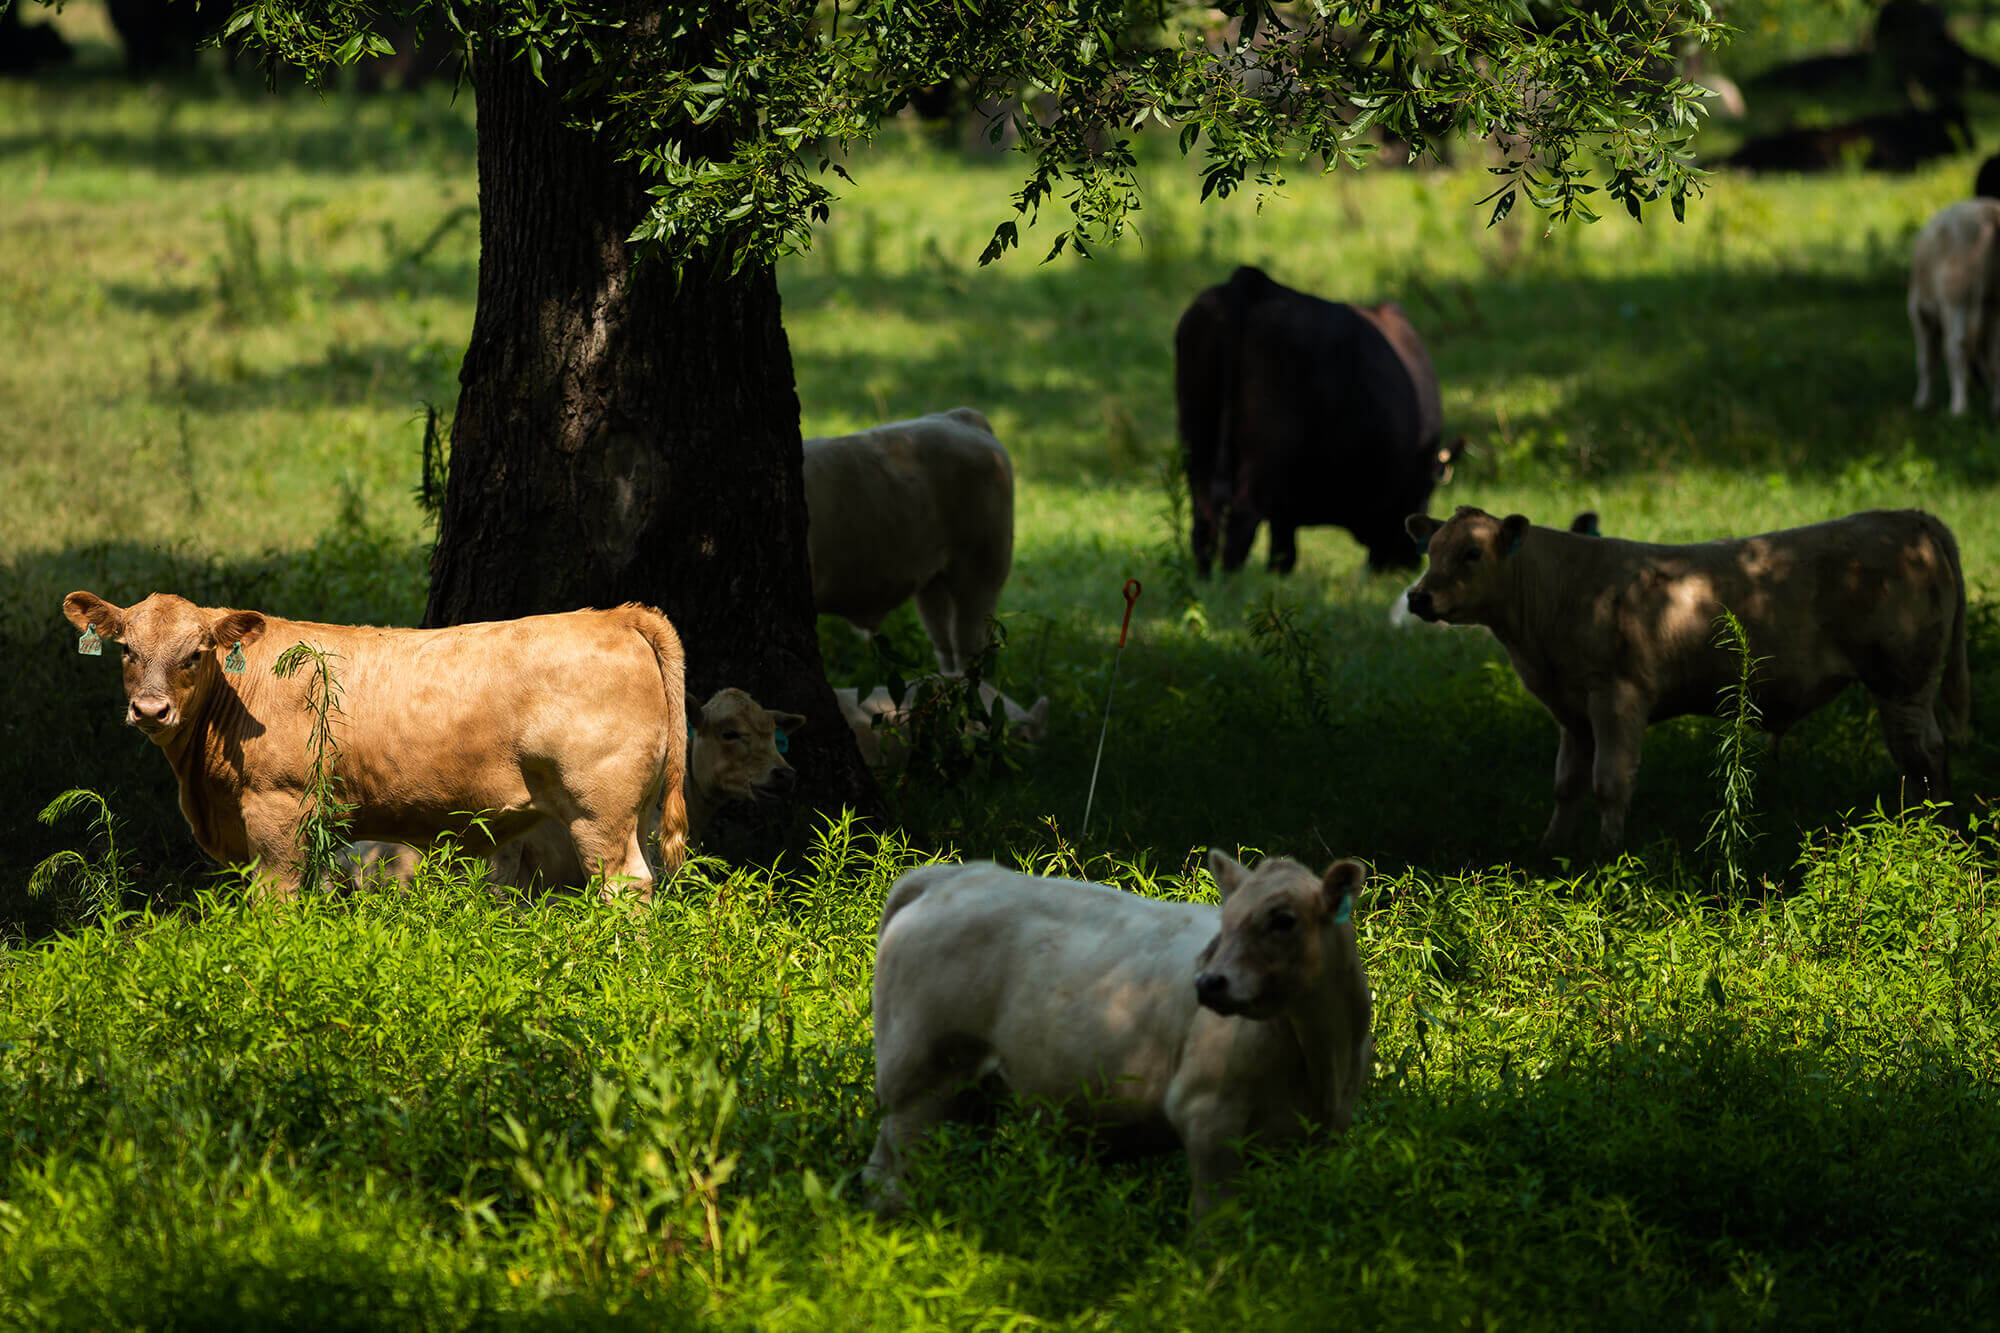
column 1281, row 921
column 1472, row 556
column 732, row 735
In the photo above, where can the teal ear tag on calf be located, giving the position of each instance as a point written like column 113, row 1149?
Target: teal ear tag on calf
column 784, row 743
column 233, row 663
column 1345, row 913
column 89, row 644
column 1514, row 546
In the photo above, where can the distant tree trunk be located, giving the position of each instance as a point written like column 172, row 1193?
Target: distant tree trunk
column 621, row 437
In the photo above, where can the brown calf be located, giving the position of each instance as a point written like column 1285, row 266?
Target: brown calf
column 1612, row 635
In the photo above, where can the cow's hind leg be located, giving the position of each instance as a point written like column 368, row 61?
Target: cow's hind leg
column 954, row 607
column 1917, row 744
column 1924, row 328
column 920, row 1083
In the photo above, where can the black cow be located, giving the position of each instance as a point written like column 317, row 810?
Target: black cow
column 1301, row 412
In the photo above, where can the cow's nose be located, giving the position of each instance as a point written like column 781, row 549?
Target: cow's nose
column 782, row 779
column 1420, row 604
column 1210, row 987
column 152, row 710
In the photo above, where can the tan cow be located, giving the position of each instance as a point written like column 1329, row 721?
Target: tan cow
column 1955, row 300
column 732, row 755
column 1610, row 635
column 921, row 508
column 1159, row 1023
column 735, row 754
column 572, row 721
column 881, row 726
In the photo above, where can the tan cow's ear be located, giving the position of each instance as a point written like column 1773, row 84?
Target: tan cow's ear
column 238, row 627
column 1227, row 870
column 87, row 610
column 1421, row 527
column 788, row 722
column 1512, row 529
column 693, row 707
column 1342, row 882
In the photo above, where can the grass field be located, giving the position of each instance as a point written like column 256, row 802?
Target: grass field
column 1609, row 1097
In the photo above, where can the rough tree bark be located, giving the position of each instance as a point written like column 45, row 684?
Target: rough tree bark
column 624, row 437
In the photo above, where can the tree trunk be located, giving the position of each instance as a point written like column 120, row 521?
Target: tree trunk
column 623, row 437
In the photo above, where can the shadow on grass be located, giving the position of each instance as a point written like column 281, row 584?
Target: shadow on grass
column 1637, row 1177
column 286, row 128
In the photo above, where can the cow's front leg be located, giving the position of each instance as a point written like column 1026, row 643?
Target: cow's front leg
column 271, row 823
column 1618, row 725
column 1204, row 535
column 1925, row 331
column 1574, row 753
column 1239, row 531
column 1214, row 1168
column 1284, row 547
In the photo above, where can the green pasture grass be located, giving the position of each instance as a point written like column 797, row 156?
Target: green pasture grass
column 1609, row 1096
column 1598, row 1101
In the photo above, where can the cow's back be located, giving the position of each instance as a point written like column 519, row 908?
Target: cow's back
column 1867, row 597
column 1953, row 261
column 1059, row 979
column 435, row 723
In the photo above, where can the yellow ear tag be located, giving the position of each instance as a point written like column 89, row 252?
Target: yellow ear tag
column 233, row 663
column 89, row 644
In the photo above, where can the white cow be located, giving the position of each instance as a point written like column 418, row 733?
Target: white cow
column 921, row 508
column 1954, row 285
column 1159, row 1022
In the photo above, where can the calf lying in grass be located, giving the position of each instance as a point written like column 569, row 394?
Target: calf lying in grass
column 882, row 726
column 1158, row 1022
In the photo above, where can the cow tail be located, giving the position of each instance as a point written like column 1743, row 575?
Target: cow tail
column 666, row 644
column 1243, row 289
column 1955, row 694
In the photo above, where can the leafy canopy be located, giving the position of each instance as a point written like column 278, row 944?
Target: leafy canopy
column 736, row 111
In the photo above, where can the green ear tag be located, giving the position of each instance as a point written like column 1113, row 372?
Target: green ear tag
column 1346, row 912
column 784, row 742
column 89, row 644
column 233, row 663
column 1514, row 546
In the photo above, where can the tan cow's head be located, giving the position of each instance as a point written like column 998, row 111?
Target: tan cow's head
column 172, row 653
column 1279, row 924
column 735, row 755
column 1468, row 552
